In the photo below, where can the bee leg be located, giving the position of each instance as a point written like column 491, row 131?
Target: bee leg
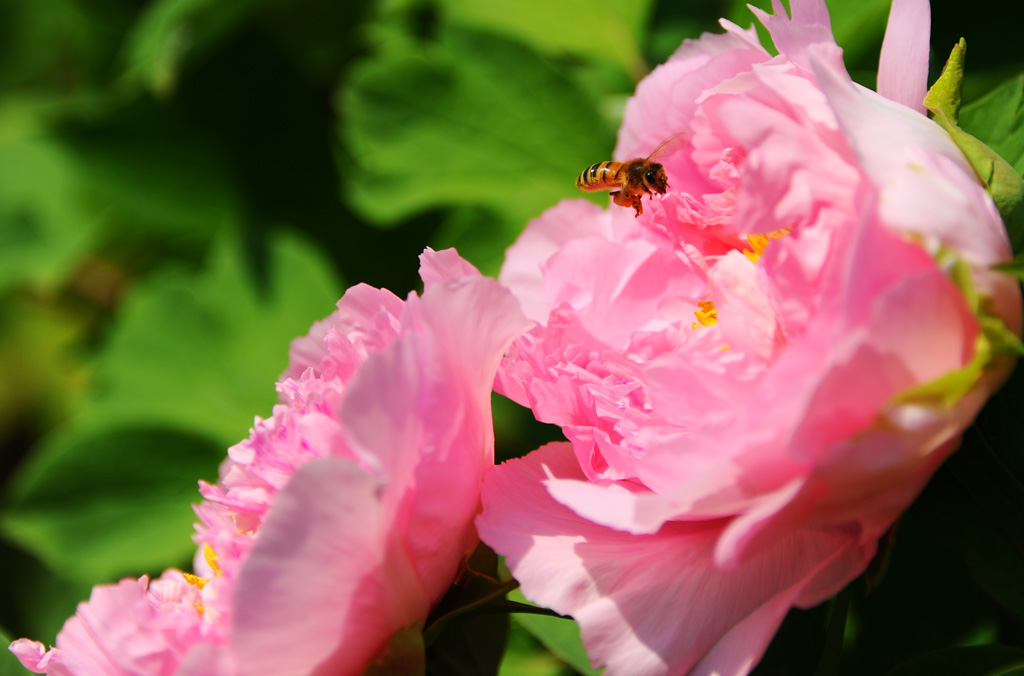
column 625, row 200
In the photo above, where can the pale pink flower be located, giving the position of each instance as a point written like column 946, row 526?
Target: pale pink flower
column 343, row 518
column 758, row 375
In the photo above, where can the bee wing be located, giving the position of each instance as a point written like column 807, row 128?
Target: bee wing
column 669, row 145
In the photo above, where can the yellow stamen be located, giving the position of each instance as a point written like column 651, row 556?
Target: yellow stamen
column 198, row 583
column 706, row 315
column 195, row 580
column 211, row 559
column 760, row 242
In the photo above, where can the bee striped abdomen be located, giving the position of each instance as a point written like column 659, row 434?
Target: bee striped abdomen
column 600, row 176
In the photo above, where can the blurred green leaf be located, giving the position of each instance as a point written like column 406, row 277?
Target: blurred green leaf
column 600, row 30
column 990, row 660
column 39, row 375
column 41, row 601
column 525, row 656
column 169, row 31
column 163, row 183
column 63, row 194
column 45, row 222
column 474, row 120
column 9, row 664
column 859, row 27
column 202, row 352
column 559, row 635
column 110, row 501
column 60, row 44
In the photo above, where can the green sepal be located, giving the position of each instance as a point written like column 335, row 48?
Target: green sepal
column 1001, row 181
column 945, row 95
column 993, row 342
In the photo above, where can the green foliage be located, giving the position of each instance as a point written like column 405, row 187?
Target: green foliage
column 169, row 31
column 45, row 225
column 560, row 636
column 526, row 656
column 473, row 119
column 996, row 120
column 201, row 351
column 9, row 664
column 110, row 501
column 604, row 31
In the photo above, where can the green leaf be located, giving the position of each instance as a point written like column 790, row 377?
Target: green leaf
column 45, row 220
column 975, row 503
column 559, row 635
column 202, row 352
column 995, row 119
column 168, row 32
column 160, row 184
column 9, row 664
column 474, row 120
column 606, row 31
column 97, row 504
column 526, row 656
column 990, row 660
column 39, row 602
column 953, row 518
column 927, row 602
column 859, row 27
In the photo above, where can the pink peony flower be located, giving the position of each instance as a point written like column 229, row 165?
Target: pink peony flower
column 758, row 375
column 343, row 518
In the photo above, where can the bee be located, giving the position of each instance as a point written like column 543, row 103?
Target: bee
column 632, row 178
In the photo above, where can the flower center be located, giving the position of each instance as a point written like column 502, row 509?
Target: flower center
column 707, row 315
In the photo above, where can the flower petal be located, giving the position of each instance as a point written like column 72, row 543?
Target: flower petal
column 653, row 605
column 327, row 582
column 903, row 63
